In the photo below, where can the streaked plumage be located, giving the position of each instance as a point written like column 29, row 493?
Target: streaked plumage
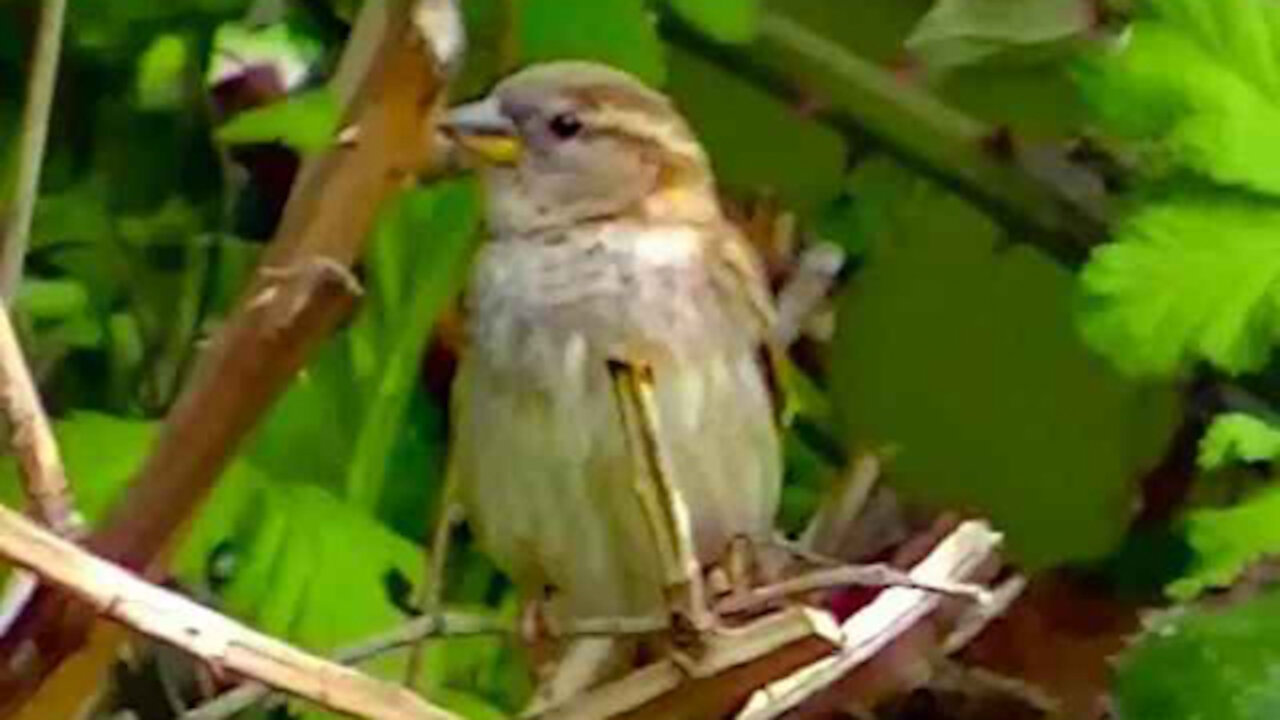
column 607, row 245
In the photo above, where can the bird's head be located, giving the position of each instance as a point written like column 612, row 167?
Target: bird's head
column 564, row 143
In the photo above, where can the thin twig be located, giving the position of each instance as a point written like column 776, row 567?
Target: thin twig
column 805, row 291
column 455, row 625
column 842, row 506
column 875, row 575
column 214, row 638
column 43, row 477
column 977, row 617
column 431, row 598
column 35, row 135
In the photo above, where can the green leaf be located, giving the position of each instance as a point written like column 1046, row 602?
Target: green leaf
column 161, row 80
column 1192, row 277
column 1198, row 665
column 1227, row 541
column 615, row 32
column 350, row 403
column 1237, row 437
column 728, row 21
column 956, row 33
column 1198, row 84
column 306, row 122
column 962, row 357
column 419, row 248
column 52, row 300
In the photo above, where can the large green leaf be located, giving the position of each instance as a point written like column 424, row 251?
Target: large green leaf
column 731, row 21
column 418, row 263
column 1198, row 84
column 1190, row 277
column 1219, row 665
column 963, row 357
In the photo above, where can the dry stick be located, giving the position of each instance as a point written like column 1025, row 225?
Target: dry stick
column 411, row 634
column 454, row 625
column 43, row 477
column 733, row 663
column 390, row 85
column 35, row 134
column 431, row 598
column 654, row 484
column 875, row 626
column 875, row 575
column 841, row 509
column 214, row 638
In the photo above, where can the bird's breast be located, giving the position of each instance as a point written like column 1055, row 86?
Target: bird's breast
column 615, row 290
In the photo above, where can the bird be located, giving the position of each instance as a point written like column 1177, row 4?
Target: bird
column 606, row 247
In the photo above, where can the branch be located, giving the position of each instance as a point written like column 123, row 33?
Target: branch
column 734, row 662
column 875, row 626
column 391, row 81
column 960, row 151
column 214, row 638
column 246, row 695
column 35, row 134
column 43, row 478
column 391, row 77
column 411, row 634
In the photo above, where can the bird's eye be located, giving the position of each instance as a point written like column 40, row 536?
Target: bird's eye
column 565, row 125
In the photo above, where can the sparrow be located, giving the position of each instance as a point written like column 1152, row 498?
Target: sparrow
column 606, row 248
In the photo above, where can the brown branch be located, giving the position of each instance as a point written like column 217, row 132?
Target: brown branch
column 43, row 478
column 393, row 97
column 214, row 638
column 35, row 135
column 733, row 663
column 875, row 626
column 391, row 84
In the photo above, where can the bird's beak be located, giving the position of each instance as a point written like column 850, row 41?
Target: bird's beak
column 483, row 131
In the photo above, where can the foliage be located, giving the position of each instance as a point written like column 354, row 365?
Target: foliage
column 1000, row 383
column 306, row 123
column 962, row 32
column 964, row 338
column 1191, row 276
column 1190, row 281
column 1237, row 437
column 620, row 33
column 1218, row 665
